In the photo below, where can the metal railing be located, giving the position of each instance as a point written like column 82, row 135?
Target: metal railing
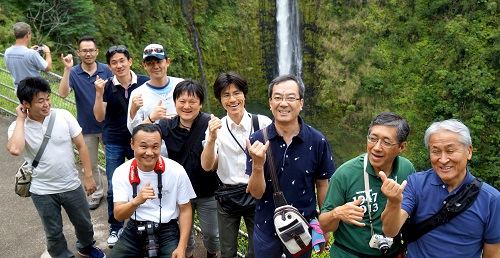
column 11, row 102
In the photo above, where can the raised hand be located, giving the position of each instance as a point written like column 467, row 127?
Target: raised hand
column 99, row 85
column 135, row 104
column 351, row 212
column 258, row 152
column 214, row 125
column 391, row 189
column 147, row 193
column 159, row 112
column 21, row 111
column 67, row 60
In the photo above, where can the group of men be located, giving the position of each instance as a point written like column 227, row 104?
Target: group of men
column 165, row 159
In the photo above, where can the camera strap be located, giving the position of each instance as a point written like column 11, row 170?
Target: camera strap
column 367, row 191
column 135, row 180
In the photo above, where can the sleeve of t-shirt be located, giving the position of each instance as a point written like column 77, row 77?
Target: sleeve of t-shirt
column 492, row 232
column 39, row 62
column 10, row 131
column 73, row 125
column 186, row 191
column 121, row 185
column 333, row 195
column 409, row 195
column 327, row 165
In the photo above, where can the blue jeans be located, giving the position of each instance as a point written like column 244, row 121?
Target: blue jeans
column 131, row 244
column 115, row 156
column 76, row 206
column 229, row 226
column 271, row 246
column 207, row 216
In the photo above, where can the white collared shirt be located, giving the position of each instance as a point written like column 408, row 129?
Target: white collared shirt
column 232, row 159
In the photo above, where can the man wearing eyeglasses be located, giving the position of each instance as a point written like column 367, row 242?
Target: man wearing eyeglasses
column 80, row 79
column 354, row 221
column 153, row 100
column 111, row 105
column 303, row 162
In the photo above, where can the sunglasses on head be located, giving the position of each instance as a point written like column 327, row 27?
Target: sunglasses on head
column 119, row 49
column 158, row 50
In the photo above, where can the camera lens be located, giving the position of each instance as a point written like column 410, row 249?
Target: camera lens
column 383, row 246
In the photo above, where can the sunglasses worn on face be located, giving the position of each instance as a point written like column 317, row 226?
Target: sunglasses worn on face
column 155, row 50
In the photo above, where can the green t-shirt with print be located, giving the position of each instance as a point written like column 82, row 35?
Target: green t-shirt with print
column 346, row 185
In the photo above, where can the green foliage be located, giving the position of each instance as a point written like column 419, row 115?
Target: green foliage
column 425, row 59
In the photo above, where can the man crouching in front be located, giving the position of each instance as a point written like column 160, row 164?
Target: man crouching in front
column 154, row 192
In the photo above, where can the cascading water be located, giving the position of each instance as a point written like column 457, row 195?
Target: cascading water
column 288, row 38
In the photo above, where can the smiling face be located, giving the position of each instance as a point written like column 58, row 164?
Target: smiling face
column 449, row 157
column 156, row 68
column 87, row 51
column 146, row 147
column 233, row 101
column 188, row 107
column 285, row 102
column 39, row 107
column 382, row 158
column 120, row 65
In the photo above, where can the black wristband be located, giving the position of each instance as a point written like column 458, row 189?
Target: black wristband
column 150, row 120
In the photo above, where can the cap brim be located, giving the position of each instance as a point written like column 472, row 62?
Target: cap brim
column 156, row 56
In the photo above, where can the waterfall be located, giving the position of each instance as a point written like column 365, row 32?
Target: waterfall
column 288, row 38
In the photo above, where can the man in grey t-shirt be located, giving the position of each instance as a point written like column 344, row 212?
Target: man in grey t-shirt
column 22, row 61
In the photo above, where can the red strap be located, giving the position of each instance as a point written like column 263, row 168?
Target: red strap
column 133, row 176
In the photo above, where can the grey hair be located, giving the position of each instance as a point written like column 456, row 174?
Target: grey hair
column 452, row 125
column 394, row 120
column 284, row 78
column 21, row 29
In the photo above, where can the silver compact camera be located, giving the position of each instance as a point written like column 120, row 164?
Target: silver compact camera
column 380, row 242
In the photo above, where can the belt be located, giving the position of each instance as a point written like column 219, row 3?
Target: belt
column 142, row 223
column 360, row 255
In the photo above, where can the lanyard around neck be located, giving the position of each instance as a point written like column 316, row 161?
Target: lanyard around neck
column 367, row 191
column 241, row 147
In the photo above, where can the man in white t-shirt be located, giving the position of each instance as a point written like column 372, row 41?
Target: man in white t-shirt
column 153, row 100
column 55, row 181
column 22, row 61
column 160, row 214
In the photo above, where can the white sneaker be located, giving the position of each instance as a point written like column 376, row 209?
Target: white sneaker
column 113, row 237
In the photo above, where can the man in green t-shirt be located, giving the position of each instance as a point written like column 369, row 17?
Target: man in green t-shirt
column 345, row 210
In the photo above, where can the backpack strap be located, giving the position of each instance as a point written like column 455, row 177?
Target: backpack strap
column 255, row 122
column 120, row 97
column 196, row 129
column 458, row 203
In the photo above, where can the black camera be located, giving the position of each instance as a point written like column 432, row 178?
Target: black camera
column 151, row 245
column 382, row 243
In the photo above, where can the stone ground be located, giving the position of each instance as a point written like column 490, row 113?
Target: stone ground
column 21, row 231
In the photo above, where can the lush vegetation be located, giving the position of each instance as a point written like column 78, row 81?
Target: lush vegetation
column 425, row 59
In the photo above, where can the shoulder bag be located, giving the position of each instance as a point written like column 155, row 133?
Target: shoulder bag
column 23, row 174
column 291, row 227
column 233, row 199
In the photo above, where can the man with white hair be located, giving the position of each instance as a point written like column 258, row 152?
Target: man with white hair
column 471, row 208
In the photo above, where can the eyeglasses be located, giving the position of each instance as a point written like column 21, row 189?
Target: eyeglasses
column 157, row 50
column 386, row 144
column 119, row 49
column 235, row 94
column 279, row 99
column 87, row 51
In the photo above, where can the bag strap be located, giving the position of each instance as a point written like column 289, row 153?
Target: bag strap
column 278, row 196
column 46, row 138
column 120, row 97
column 458, row 203
column 255, row 122
column 196, row 129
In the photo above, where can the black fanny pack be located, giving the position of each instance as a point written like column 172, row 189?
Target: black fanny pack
column 234, row 200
